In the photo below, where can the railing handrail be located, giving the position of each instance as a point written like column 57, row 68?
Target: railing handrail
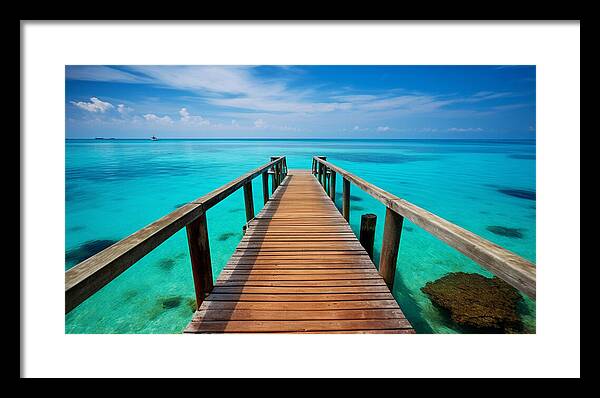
column 510, row 267
column 90, row 275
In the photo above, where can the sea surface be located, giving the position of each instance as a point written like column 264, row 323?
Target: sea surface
column 115, row 187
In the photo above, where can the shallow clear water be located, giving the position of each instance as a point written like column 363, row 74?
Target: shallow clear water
column 113, row 188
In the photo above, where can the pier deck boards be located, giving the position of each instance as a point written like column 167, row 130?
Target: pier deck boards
column 299, row 269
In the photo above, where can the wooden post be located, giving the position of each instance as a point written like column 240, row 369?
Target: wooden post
column 321, row 169
column 265, row 185
column 273, row 176
column 320, row 172
column 346, row 200
column 325, row 178
column 332, row 186
column 367, row 232
column 392, row 230
column 197, row 234
column 279, row 173
column 249, row 201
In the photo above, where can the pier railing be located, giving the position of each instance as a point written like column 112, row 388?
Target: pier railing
column 515, row 270
column 89, row 276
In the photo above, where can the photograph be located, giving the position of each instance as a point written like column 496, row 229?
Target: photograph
column 390, row 199
column 300, row 198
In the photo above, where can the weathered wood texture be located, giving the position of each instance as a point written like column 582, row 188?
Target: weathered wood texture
column 368, row 223
column 346, row 199
column 332, row 183
column 89, row 276
column 299, row 269
column 510, row 267
column 392, row 231
column 197, row 234
column 248, row 201
column 265, row 186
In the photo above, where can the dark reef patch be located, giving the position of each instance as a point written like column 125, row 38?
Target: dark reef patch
column 166, row 264
column 519, row 193
column 236, row 210
column 357, row 208
column 191, row 303
column 76, row 228
column 178, row 205
column 380, row 157
column 476, row 303
column 87, row 250
column 522, row 156
column 224, row 236
column 505, row 231
column 338, row 196
column 129, row 295
column 409, row 229
column 170, row 302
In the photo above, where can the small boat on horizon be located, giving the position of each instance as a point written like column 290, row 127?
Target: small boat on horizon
column 154, row 138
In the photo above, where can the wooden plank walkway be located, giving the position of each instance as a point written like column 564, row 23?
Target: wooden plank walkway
column 299, row 269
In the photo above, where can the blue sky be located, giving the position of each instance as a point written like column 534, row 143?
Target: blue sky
column 300, row 101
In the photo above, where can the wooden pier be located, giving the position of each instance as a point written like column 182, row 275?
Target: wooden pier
column 299, row 267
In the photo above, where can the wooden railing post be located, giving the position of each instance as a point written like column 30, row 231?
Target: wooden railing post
column 392, row 230
column 279, row 173
column 367, row 232
column 197, row 234
column 346, row 199
column 321, row 169
column 320, row 172
column 274, row 176
column 248, row 201
column 332, row 186
column 265, row 185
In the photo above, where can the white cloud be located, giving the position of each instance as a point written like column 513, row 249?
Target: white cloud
column 280, row 104
column 95, row 105
column 259, row 123
column 101, row 73
column 188, row 118
column 124, row 110
column 465, row 129
column 151, row 117
column 214, row 79
column 185, row 115
column 383, row 128
column 354, row 98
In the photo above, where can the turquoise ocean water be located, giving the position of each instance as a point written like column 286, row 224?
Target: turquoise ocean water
column 115, row 187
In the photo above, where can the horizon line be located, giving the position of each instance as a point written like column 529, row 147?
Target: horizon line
column 297, row 138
